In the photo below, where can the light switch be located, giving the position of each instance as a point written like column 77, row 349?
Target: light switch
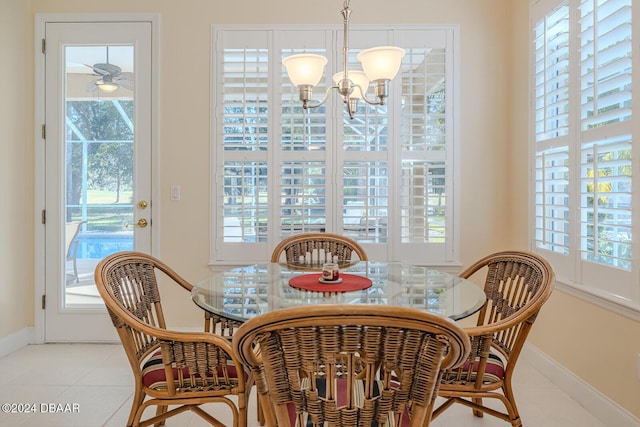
column 175, row 192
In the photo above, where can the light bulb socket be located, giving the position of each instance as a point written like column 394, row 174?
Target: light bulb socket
column 356, row 88
column 381, row 89
column 353, row 107
column 305, row 92
column 345, row 87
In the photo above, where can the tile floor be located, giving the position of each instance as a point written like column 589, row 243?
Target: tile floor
column 94, row 380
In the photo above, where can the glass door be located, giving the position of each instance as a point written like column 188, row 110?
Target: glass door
column 98, row 163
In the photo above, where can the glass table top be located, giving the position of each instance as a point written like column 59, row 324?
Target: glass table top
column 244, row 292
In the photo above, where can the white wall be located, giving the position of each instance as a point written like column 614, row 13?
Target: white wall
column 16, row 167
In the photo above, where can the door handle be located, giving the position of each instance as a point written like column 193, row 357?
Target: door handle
column 142, row 223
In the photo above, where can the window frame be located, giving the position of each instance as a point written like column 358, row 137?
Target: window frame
column 577, row 276
column 227, row 253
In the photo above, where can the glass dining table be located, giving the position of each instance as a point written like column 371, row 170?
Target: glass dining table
column 241, row 293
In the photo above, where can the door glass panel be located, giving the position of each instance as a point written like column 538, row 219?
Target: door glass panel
column 99, row 134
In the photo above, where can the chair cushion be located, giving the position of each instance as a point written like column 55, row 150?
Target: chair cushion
column 494, row 371
column 153, row 374
column 341, row 401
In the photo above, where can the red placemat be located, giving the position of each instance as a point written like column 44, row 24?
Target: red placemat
column 350, row 282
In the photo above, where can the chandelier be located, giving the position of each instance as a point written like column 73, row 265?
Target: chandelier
column 380, row 65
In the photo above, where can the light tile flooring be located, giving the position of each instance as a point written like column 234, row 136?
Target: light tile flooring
column 94, row 381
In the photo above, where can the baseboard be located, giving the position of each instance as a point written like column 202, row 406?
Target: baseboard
column 599, row 405
column 15, row 341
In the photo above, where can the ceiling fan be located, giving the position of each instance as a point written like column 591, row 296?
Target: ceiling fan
column 111, row 77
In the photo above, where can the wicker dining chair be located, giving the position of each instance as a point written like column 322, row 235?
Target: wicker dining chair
column 315, row 249
column 517, row 284
column 170, row 368
column 348, row 364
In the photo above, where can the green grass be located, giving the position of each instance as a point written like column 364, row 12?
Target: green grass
column 103, row 197
column 107, row 216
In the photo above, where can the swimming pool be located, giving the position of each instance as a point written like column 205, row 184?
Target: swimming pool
column 99, row 244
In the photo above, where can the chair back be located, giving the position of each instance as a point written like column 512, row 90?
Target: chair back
column 315, row 249
column 128, row 284
column 194, row 362
column 517, row 284
column 349, row 364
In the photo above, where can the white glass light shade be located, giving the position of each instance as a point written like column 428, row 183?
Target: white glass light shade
column 107, row 86
column 305, row 68
column 358, row 78
column 381, row 63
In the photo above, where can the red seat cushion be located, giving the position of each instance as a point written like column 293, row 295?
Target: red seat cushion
column 340, row 401
column 153, row 373
column 494, row 371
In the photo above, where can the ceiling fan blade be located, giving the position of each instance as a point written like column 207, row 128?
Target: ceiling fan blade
column 92, row 86
column 106, row 69
column 95, row 71
column 126, row 83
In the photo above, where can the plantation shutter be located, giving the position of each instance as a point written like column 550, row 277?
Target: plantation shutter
column 606, row 143
column 551, row 129
column 241, row 162
column 583, row 143
column 605, row 62
column 551, row 124
column 364, row 159
column 301, row 155
column 426, row 148
column 385, row 178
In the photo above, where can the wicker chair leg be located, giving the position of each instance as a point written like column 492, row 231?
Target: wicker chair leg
column 510, row 404
column 207, row 322
column 138, row 398
column 510, row 416
column 241, row 417
column 158, row 420
column 260, row 413
column 213, row 420
column 476, row 412
column 443, row 406
column 161, row 410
